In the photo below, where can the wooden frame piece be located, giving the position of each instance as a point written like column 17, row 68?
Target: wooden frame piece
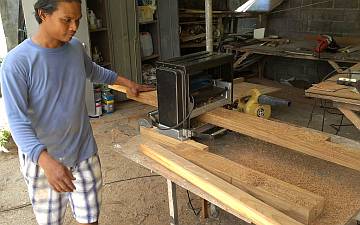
column 239, row 201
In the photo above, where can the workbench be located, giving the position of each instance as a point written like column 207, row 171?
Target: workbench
column 345, row 98
column 291, row 49
column 131, row 152
column 320, row 145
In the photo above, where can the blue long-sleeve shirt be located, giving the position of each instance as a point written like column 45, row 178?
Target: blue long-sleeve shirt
column 44, row 95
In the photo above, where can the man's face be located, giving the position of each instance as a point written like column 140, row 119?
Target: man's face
column 63, row 23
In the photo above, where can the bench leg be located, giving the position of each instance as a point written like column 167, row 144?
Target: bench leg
column 174, row 219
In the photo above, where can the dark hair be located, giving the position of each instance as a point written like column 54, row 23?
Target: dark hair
column 48, row 6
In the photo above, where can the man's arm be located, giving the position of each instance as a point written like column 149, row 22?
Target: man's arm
column 15, row 93
column 99, row 74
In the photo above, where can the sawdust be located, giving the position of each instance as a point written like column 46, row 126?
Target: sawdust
column 339, row 185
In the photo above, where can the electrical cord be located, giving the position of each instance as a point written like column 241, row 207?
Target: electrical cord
column 156, row 123
column 196, row 211
column 130, row 179
column 15, row 208
column 326, row 109
column 106, row 184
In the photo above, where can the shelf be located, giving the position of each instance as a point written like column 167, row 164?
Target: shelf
column 196, row 45
column 98, row 30
column 148, row 22
column 104, row 64
column 150, row 57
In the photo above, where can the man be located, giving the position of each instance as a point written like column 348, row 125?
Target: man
column 43, row 85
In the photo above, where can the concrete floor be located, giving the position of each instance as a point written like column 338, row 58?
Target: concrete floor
column 127, row 199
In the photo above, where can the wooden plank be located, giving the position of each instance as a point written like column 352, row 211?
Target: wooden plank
column 130, row 151
column 241, row 59
column 335, row 66
column 353, row 102
column 353, row 117
column 347, row 106
column 295, row 202
column 149, row 98
column 153, row 134
column 331, row 88
column 241, row 202
column 298, row 139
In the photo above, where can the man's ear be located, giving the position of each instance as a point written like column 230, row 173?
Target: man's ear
column 42, row 14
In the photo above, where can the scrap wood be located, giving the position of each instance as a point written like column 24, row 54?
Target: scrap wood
column 295, row 202
column 241, row 202
column 192, row 37
column 352, row 116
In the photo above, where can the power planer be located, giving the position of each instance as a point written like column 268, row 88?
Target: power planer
column 189, row 86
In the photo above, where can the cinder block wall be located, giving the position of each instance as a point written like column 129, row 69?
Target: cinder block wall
column 293, row 19
column 336, row 17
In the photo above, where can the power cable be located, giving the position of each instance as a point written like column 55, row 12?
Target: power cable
column 156, row 123
column 196, row 211
column 130, row 179
column 15, row 208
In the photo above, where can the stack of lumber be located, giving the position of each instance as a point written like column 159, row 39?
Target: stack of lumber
column 303, row 140
column 295, row 202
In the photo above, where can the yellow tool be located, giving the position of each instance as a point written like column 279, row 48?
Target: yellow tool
column 257, row 104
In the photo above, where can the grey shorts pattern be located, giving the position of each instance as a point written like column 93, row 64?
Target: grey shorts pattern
column 49, row 206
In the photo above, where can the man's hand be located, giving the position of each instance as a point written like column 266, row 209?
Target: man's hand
column 59, row 177
column 135, row 88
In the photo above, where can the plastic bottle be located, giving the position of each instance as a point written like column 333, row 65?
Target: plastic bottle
column 146, row 44
column 92, row 19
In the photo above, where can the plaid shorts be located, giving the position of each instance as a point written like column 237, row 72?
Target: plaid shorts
column 49, row 206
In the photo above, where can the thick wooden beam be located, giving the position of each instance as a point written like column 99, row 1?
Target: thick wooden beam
column 239, row 201
column 299, row 139
column 295, row 202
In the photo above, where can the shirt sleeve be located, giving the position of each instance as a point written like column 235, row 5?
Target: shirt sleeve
column 97, row 73
column 14, row 87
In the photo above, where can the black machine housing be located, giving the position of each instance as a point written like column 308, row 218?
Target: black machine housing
column 189, row 86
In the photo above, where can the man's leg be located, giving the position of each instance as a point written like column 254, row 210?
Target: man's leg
column 85, row 201
column 49, row 206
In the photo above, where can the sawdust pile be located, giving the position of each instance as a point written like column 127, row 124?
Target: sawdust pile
column 339, row 185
